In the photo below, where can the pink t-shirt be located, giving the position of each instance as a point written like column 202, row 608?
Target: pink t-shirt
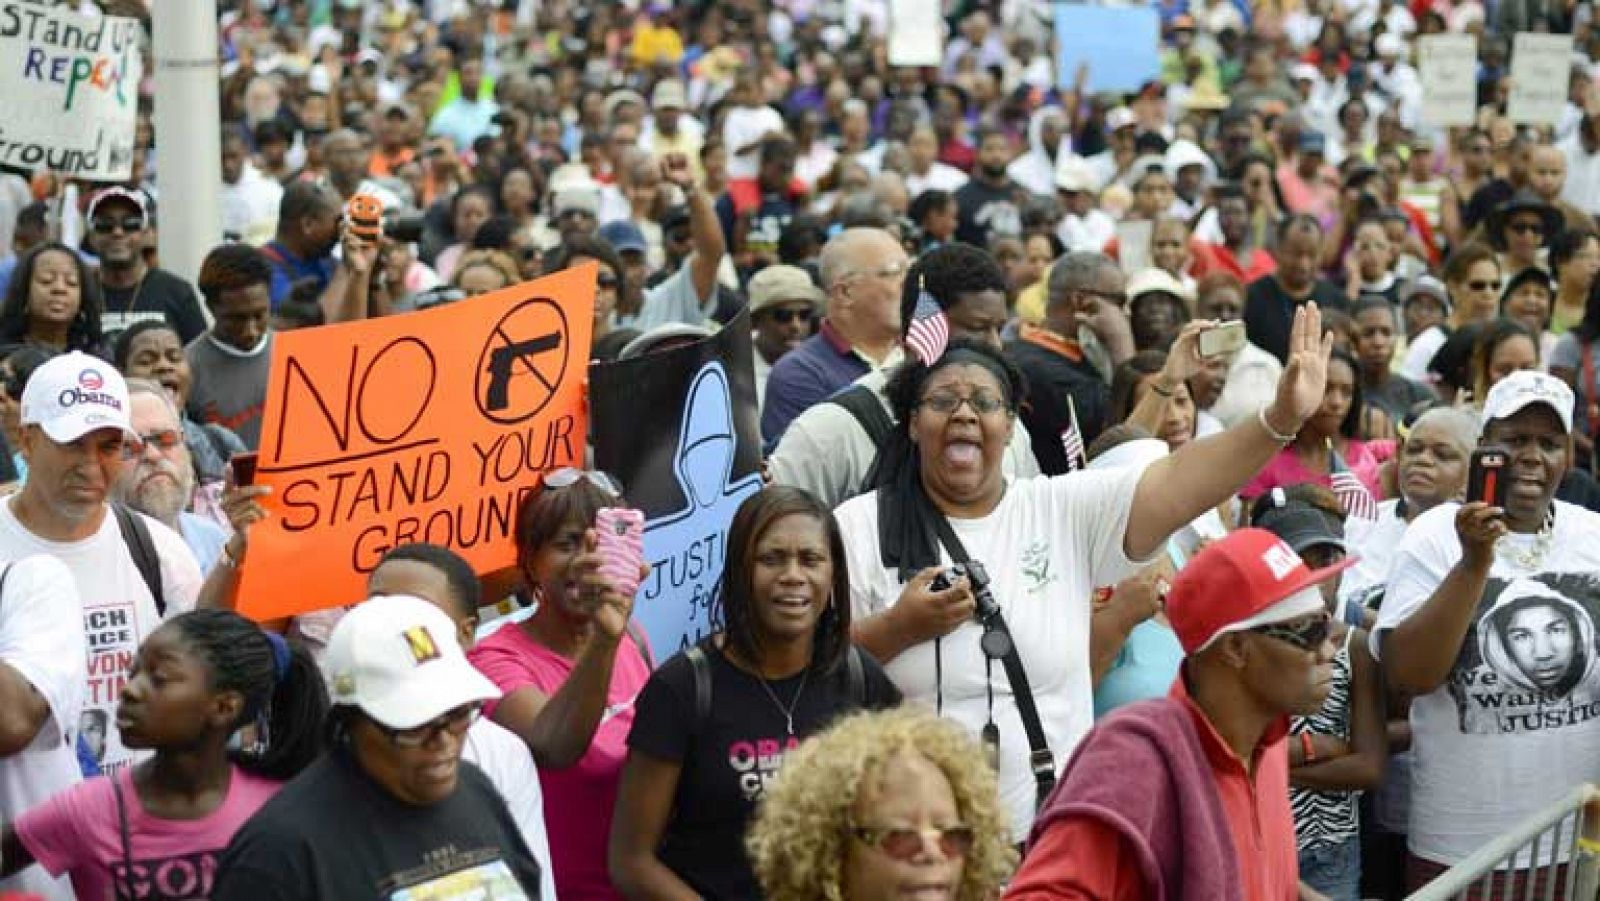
column 77, row 832
column 578, row 800
column 1364, row 458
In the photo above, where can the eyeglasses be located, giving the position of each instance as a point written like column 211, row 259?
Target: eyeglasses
column 1308, row 636
column 455, row 722
column 1524, row 228
column 1484, row 286
column 567, row 476
column 786, row 315
column 905, row 844
column 888, row 273
column 162, row 439
column 679, row 234
column 945, row 403
column 105, row 225
column 607, row 280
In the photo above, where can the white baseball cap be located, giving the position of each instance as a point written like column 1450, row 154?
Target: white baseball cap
column 73, row 394
column 1520, row 389
column 397, row 659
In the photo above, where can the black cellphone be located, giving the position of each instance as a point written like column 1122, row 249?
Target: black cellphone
column 244, row 468
column 1486, row 478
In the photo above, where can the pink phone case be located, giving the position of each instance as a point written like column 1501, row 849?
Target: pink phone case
column 621, row 546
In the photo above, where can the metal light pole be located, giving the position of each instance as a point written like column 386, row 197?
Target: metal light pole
column 187, row 130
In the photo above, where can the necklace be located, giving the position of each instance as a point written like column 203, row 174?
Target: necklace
column 1531, row 558
column 788, row 712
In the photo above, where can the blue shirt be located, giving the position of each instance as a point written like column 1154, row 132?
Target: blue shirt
column 464, row 121
column 204, row 537
column 809, row 374
column 288, row 269
column 1145, row 668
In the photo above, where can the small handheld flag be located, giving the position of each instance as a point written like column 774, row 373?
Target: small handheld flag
column 929, row 333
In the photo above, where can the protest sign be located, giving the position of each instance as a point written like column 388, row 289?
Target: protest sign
column 916, row 33
column 679, row 428
column 1448, row 67
column 1121, row 44
column 429, row 426
column 71, row 89
column 1541, row 66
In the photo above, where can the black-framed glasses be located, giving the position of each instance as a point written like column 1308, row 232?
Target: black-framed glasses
column 607, row 280
column 105, row 225
column 567, row 476
column 945, row 403
column 161, row 439
column 1309, row 635
column 786, row 315
column 1523, row 228
column 455, row 722
column 905, row 844
column 1484, row 286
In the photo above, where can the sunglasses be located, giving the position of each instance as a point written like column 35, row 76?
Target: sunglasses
column 1308, row 636
column 787, row 316
column 165, row 440
column 105, row 225
column 905, row 844
column 456, row 722
column 1525, row 228
column 607, row 280
column 1484, row 286
column 567, row 476
column 944, row 404
column 679, row 235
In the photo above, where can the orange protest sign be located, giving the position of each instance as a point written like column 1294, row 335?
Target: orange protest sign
column 430, row 426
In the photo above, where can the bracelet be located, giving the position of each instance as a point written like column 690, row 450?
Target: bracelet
column 227, row 558
column 1281, row 438
column 1307, row 753
column 1163, row 392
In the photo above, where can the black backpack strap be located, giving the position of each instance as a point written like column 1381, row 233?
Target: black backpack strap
column 862, row 403
column 856, row 677
column 1040, row 760
column 702, row 684
column 136, row 535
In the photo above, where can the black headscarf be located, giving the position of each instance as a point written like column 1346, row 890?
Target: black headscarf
column 908, row 539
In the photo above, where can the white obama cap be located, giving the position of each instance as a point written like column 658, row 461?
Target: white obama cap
column 73, row 394
column 397, row 659
column 1520, row 389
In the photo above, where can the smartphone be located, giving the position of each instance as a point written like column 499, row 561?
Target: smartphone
column 244, row 468
column 1221, row 340
column 621, row 546
column 1486, row 478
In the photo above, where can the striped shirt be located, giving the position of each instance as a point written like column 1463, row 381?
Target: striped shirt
column 1325, row 819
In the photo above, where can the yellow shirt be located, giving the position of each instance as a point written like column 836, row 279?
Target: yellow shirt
column 1030, row 303
column 653, row 45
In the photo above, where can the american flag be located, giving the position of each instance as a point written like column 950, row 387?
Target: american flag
column 1072, row 440
column 929, row 331
column 1351, row 492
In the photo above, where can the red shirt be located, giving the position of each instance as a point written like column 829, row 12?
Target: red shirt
column 1261, row 263
column 1086, row 859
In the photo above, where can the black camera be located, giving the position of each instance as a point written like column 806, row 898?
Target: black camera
column 405, row 226
column 996, row 640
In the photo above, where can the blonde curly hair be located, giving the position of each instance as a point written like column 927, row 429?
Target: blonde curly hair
column 797, row 839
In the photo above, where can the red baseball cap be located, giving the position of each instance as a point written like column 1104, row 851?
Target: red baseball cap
column 1248, row 579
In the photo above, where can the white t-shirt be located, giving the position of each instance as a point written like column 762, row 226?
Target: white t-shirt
column 1373, row 543
column 118, row 612
column 1046, row 546
column 1420, row 354
column 1516, row 724
column 41, row 637
column 509, row 765
column 744, row 126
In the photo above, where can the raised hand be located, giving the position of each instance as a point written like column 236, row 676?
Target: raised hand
column 1305, row 373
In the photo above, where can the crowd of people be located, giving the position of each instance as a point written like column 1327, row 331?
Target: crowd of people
column 1116, row 539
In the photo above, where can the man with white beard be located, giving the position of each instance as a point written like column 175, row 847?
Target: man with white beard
column 160, row 483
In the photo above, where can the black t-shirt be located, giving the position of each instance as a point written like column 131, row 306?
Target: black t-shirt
column 986, row 210
column 1052, row 378
column 728, row 759
column 1269, row 311
column 332, row 833
column 161, row 295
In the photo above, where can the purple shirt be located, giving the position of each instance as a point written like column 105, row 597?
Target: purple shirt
column 809, row 374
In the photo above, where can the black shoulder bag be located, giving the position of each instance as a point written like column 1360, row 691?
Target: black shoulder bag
column 997, row 644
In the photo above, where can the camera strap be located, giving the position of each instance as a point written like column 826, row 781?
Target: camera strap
column 1040, row 760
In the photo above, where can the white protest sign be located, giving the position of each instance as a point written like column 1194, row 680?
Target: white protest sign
column 1133, row 244
column 1448, row 65
column 1541, row 65
column 916, row 33
column 70, row 85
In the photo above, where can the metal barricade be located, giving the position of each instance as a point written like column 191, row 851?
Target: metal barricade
column 1572, row 823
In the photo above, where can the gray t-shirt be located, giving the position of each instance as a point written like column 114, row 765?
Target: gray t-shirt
column 229, row 386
